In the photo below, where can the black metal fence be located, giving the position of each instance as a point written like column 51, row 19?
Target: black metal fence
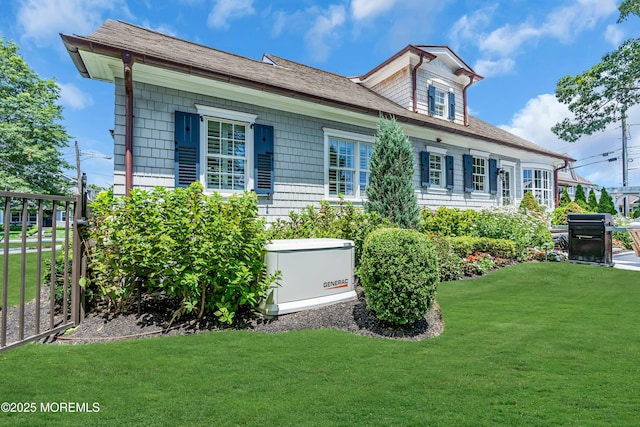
column 58, row 299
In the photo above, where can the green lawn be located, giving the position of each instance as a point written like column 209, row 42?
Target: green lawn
column 13, row 296
column 532, row 344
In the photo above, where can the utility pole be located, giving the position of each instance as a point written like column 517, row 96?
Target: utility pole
column 625, row 163
column 78, row 167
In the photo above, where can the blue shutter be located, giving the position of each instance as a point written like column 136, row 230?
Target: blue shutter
column 467, row 169
column 263, row 158
column 432, row 99
column 452, row 106
column 424, row 168
column 449, row 171
column 493, row 176
column 187, row 155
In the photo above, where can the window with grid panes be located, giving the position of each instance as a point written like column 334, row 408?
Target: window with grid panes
column 479, row 173
column 226, row 157
column 436, row 170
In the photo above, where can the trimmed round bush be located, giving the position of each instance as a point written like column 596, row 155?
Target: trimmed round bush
column 399, row 274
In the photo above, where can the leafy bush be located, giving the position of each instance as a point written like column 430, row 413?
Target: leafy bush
column 449, row 262
column 560, row 214
column 463, row 246
column 478, row 263
column 342, row 222
column 399, row 274
column 525, row 228
column 448, row 221
column 529, row 203
column 204, row 250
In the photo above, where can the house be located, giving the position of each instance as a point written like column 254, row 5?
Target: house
column 297, row 135
column 568, row 178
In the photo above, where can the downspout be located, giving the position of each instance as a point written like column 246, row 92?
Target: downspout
column 414, row 83
column 127, row 59
column 555, row 181
column 464, row 100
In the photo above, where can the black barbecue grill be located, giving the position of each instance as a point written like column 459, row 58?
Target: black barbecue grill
column 590, row 238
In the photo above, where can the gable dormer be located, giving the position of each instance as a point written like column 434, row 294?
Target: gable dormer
column 430, row 80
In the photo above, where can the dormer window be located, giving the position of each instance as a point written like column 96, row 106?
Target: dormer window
column 442, row 103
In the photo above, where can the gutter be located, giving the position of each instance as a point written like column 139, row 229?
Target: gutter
column 555, row 181
column 128, row 60
column 75, row 43
column 414, row 82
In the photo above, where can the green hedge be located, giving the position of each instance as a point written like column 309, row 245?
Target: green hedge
column 399, row 274
column 204, row 250
column 464, row 246
column 344, row 221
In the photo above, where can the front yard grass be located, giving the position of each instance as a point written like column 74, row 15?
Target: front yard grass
column 531, row 344
column 13, row 296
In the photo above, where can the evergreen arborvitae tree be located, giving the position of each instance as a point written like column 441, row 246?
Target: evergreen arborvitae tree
column 390, row 191
column 606, row 203
column 564, row 198
column 529, row 203
column 592, row 202
column 580, row 197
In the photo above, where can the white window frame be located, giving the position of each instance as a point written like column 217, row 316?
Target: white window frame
column 440, row 153
column 485, row 158
column 209, row 113
column 539, row 192
column 440, row 106
column 357, row 139
column 511, row 166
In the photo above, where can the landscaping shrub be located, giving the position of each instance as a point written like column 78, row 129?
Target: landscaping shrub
column 399, row 274
column 449, row 263
column 390, row 190
column 529, row 203
column 204, row 250
column 463, row 246
column 345, row 221
column 448, row 221
column 526, row 228
column 560, row 214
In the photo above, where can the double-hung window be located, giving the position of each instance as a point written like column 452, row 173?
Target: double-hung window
column 435, row 170
column 479, row 174
column 441, row 102
column 347, row 163
column 226, row 155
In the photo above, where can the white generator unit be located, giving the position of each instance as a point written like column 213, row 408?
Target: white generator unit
column 314, row 273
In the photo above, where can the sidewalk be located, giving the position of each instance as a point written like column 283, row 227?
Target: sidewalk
column 626, row 261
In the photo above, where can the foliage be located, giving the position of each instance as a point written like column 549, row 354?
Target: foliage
column 602, row 94
column 605, row 205
column 399, row 274
column 560, row 214
column 204, row 250
column 390, row 191
column 449, row 262
column 580, row 198
column 529, row 203
column 525, row 228
column 448, row 221
column 463, row 246
column 636, row 213
column 31, row 137
column 592, row 203
column 478, row 264
column 564, row 198
column 345, row 221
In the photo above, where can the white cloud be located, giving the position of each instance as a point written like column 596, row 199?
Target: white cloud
column 506, row 40
column 365, row 9
column 566, row 22
column 71, row 96
column 42, row 20
column 488, row 68
column 534, row 123
column 468, row 27
column 225, row 10
column 614, row 35
column 324, row 28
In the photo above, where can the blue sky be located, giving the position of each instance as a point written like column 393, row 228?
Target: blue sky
column 522, row 48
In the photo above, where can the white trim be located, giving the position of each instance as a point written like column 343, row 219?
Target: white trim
column 221, row 113
column 477, row 153
column 351, row 136
column 507, row 163
column 246, row 119
column 436, row 150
